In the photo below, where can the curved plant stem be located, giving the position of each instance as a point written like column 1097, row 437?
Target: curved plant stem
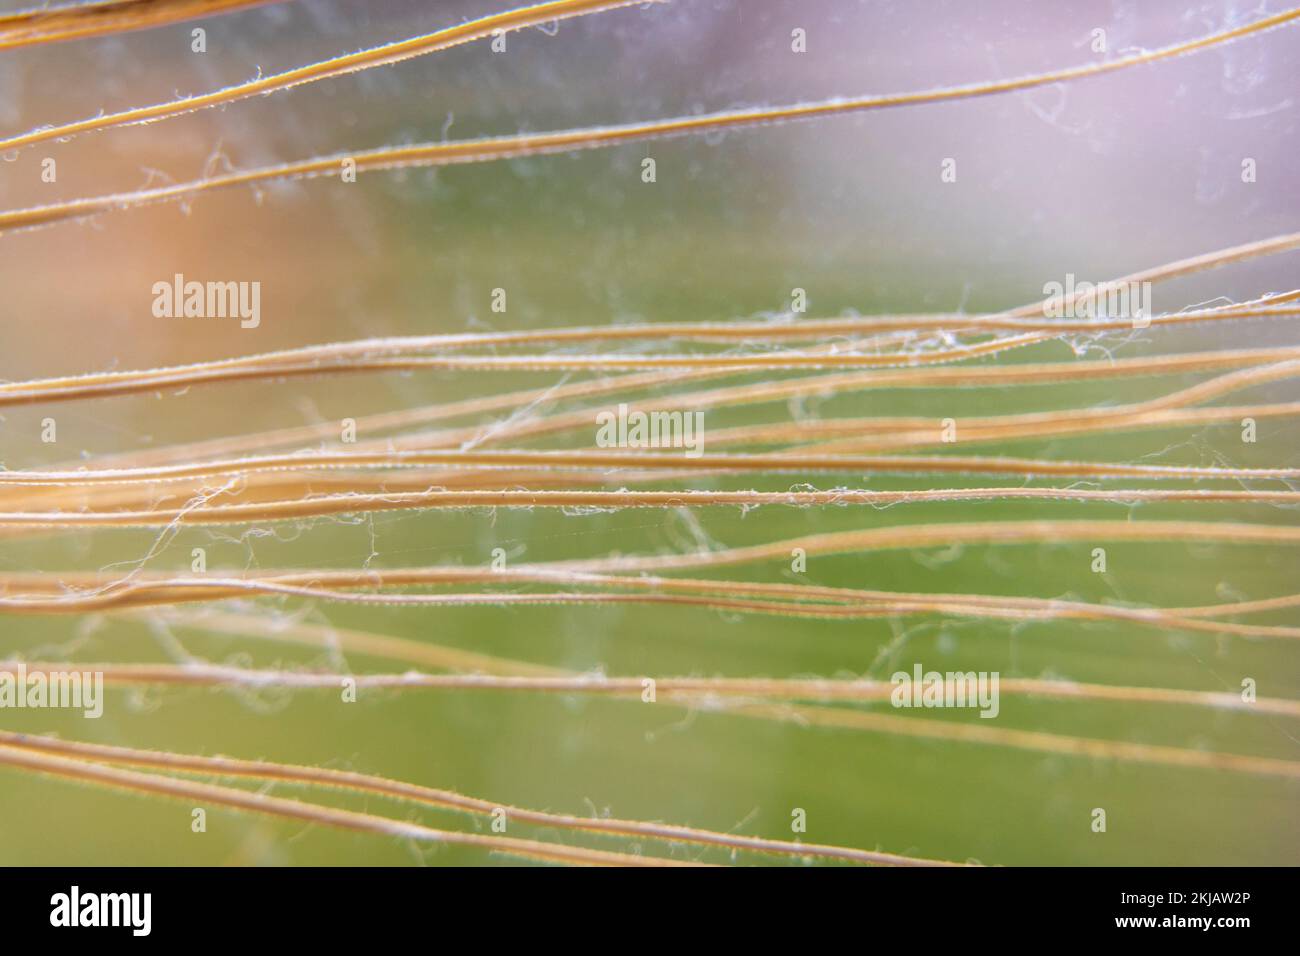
column 896, row 370
column 389, row 53
column 840, row 718
column 940, row 534
column 199, row 674
column 77, row 21
column 378, row 354
column 945, row 730
column 84, row 592
column 565, row 141
column 448, row 800
column 134, row 382
column 166, row 786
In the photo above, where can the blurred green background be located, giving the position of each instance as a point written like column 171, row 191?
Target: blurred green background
column 1096, row 179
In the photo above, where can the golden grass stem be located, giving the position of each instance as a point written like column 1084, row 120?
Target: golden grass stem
column 448, row 800
column 299, row 508
column 200, row 674
column 104, row 17
column 952, row 732
column 945, row 534
column 377, row 354
column 567, row 141
column 792, row 462
column 387, row 54
column 844, row 719
column 99, row 591
column 908, row 371
column 159, row 785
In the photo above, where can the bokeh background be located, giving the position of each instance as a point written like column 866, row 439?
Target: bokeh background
column 1097, row 178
